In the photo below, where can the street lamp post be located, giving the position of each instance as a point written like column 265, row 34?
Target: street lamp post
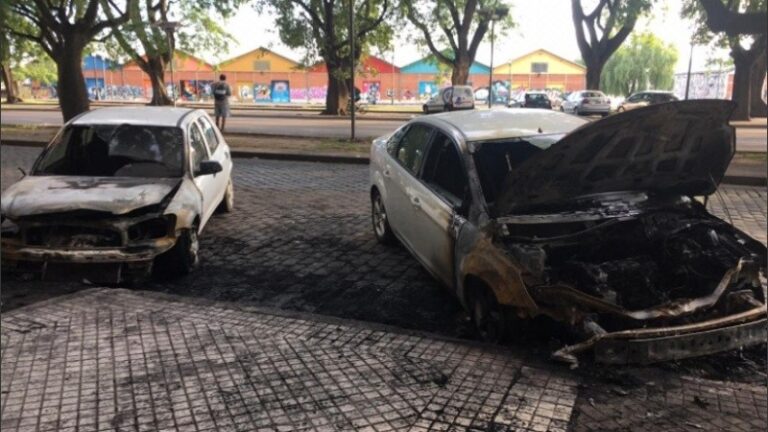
column 688, row 77
column 170, row 27
column 352, row 67
column 493, row 14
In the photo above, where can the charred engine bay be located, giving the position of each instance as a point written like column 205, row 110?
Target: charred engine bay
column 643, row 261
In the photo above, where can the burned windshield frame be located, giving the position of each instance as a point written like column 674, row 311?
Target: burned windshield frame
column 493, row 179
column 163, row 146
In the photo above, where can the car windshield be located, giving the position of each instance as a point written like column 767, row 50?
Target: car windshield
column 496, row 159
column 115, row 151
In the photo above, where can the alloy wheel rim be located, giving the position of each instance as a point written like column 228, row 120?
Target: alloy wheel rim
column 379, row 217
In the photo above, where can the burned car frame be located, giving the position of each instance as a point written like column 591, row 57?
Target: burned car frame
column 117, row 192
column 527, row 213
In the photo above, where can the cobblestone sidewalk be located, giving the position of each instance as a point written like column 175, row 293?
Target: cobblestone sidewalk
column 113, row 359
column 106, row 359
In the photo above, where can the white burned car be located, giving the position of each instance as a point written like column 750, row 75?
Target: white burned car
column 529, row 212
column 117, row 191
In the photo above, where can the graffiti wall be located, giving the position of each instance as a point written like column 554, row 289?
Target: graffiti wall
column 704, row 85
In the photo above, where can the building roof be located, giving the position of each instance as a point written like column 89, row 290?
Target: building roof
column 369, row 63
column 429, row 64
column 485, row 125
column 179, row 54
column 259, row 49
column 140, row 115
column 549, row 53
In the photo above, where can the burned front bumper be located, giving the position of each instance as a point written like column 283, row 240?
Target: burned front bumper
column 651, row 345
column 129, row 244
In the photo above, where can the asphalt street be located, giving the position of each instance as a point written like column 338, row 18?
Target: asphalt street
column 312, row 125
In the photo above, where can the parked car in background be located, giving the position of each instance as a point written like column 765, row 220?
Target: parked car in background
column 450, row 99
column 117, row 192
column 587, row 102
column 530, row 99
column 645, row 98
column 525, row 213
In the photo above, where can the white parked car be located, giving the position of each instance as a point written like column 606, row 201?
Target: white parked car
column 452, row 98
column 525, row 213
column 587, row 102
column 117, row 191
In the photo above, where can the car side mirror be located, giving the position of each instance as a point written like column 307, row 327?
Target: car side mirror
column 208, row 167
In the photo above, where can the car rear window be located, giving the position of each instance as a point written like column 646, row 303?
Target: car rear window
column 536, row 97
column 114, row 151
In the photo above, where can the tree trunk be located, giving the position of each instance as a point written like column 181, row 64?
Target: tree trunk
column 741, row 93
column 460, row 73
column 337, row 96
column 594, row 71
column 155, row 68
column 73, row 96
column 758, row 107
column 10, row 86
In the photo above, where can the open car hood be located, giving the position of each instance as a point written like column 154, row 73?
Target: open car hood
column 37, row 195
column 680, row 148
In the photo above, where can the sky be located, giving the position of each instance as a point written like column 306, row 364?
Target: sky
column 540, row 24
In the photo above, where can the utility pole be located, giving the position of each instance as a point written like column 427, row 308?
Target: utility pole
column 688, row 78
column 493, row 14
column 352, row 67
column 170, row 27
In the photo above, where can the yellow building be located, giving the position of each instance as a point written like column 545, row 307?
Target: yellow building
column 542, row 69
column 252, row 73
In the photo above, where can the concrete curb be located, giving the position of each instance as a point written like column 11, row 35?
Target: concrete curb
column 358, row 159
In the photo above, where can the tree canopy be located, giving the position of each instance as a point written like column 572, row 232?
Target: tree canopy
column 601, row 31
column 321, row 29
column 459, row 25
column 646, row 62
column 63, row 29
column 147, row 44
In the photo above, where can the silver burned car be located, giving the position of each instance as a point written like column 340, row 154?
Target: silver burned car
column 116, row 192
column 525, row 213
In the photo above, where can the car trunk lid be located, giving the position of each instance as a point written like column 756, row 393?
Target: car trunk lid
column 680, row 148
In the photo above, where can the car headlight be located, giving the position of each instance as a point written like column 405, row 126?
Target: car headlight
column 152, row 228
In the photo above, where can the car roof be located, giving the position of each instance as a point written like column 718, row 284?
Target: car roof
column 485, row 125
column 139, row 115
column 655, row 92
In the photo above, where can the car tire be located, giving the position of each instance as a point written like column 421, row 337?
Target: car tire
column 487, row 315
column 425, row 109
column 380, row 221
column 446, row 108
column 227, row 204
column 605, row 114
column 562, row 110
column 183, row 256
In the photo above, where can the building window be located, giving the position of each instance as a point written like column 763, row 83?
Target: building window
column 261, row 65
column 539, row 67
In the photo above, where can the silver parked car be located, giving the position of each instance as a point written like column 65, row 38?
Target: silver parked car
column 117, row 191
column 525, row 213
column 587, row 102
column 452, row 98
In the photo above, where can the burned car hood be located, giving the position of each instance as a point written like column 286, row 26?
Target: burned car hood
column 680, row 148
column 36, row 195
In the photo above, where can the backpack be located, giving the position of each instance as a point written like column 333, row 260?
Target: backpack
column 220, row 91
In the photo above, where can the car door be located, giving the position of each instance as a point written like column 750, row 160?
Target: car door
column 401, row 179
column 437, row 203
column 198, row 152
column 218, row 153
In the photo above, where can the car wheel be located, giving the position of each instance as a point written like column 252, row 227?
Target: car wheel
column 562, row 110
column 184, row 255
column 228, row 201
column 620, row 109
column 380, row 221
column 487, row 315
column 446, row 108
column 425, row 109
column 605, row 114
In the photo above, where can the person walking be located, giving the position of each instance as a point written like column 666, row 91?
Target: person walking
column 221, row 94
